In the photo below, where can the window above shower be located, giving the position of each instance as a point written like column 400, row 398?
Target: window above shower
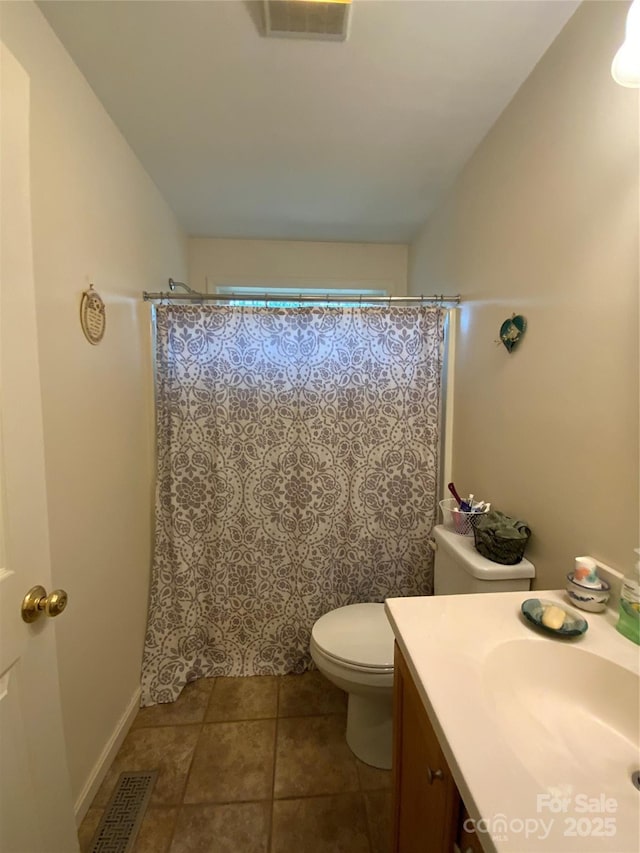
column 285, row 297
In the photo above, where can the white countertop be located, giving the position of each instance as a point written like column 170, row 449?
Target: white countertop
column 446, row 641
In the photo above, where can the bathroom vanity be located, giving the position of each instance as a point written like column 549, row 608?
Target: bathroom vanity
column 428, row 811
column 507, row 739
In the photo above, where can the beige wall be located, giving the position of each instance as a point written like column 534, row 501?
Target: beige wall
column 96, row 217
column 543, row 221
column 285, row 263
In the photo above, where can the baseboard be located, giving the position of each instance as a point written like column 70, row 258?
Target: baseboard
column 106, row 758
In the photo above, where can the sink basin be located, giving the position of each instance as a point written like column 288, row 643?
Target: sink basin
column 567, row 713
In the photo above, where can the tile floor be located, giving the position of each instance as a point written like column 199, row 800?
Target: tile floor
column 252, row 765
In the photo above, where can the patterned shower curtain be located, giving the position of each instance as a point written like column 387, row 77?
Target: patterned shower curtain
column 297, row 473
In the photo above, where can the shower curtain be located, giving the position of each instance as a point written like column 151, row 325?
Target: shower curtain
column 297, row 464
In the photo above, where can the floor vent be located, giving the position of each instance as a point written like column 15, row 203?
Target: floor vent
column 117, row 831
column 307, row 19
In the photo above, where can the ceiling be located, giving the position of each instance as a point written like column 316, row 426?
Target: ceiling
column 291, row 139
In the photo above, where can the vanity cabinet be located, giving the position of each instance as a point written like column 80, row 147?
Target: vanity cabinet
column 428, row 812
column 468, row 842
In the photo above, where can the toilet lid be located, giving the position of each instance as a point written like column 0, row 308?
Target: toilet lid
column 359, row 634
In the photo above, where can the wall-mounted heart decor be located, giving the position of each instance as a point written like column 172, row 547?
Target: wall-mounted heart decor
column 512, row 331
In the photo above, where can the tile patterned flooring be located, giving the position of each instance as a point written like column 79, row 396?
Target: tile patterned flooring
column 252, row 765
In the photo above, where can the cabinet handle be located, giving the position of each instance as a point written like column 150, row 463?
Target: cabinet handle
column 434, row 774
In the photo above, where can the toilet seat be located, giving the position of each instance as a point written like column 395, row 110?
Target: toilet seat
column 358, row 636
column 353, row 667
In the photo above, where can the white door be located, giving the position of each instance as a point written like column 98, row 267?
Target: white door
column 36, row 811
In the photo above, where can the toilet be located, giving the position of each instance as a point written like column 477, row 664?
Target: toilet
column 353, row 646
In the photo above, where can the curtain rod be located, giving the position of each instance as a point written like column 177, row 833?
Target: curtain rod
column 191, row 295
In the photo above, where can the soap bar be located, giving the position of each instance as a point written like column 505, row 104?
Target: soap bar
column 553, row 617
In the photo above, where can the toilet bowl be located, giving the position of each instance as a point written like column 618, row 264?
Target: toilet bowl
column 353, row 647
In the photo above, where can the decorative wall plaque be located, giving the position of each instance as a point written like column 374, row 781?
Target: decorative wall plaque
column 512, row 331
column 92, row 316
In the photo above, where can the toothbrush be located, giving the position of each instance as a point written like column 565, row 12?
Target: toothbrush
column 454, row 492
column 467, row 506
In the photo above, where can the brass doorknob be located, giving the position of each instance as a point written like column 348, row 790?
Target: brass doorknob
column 36, row 601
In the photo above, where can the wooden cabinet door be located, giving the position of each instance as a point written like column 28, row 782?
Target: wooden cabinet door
column 426, row 800
column 468, row 842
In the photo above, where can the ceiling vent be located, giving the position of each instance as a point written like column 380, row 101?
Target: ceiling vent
column 307, row 19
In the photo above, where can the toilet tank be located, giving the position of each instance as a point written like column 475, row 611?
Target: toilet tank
column 459, row 568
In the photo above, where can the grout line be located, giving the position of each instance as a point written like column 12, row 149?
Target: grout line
column 366, row 821
column 288, row 798
column 175, row 827
column 191, row 763
column 198, row 803
column 294, row 797
column 363, row 800
column 204, row 722
column 273, row 775
column 276, row 799
column 315, row 713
